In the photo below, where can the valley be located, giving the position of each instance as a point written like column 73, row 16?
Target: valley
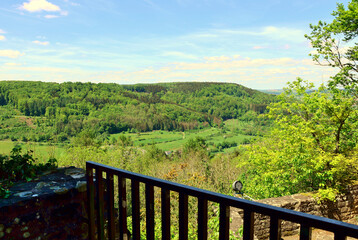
column 48, row 118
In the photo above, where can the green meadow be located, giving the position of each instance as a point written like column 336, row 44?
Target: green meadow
column 164, row 140
column 41, row 151
column 172, row 140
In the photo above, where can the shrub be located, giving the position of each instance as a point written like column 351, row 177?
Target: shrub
column 20, row 167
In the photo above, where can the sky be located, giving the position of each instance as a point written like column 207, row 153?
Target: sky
column 259, row 44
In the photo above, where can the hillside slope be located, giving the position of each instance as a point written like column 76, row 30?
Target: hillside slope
column 66, row 109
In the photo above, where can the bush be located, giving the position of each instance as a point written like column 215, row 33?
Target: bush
column 226, row 144
column 195, row 144
column 18, row 167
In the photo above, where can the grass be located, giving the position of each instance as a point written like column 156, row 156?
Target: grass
column 41, row 151
column 169, row 141
column 164, row 140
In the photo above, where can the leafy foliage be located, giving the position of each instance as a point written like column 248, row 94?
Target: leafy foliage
column 195, row 144
column 313, row 145
column 20, row 167
column 336, row 47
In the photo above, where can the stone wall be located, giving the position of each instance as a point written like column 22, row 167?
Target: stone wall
column 344, row 209
column 51, row 207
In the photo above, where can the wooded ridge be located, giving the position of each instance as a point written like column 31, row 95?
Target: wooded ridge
column 65, row 109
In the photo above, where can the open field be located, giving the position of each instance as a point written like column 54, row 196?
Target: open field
column 164, row 140
column 40, row 151
column 169, row 141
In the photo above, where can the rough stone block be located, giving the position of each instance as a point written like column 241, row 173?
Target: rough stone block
column 344, row 209
column 51, row 207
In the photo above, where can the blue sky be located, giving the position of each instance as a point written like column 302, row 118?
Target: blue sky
column 259, row 44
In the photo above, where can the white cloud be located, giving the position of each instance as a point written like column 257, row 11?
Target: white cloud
column 51, row 16
column 11, row 64
column 72, row 3
column 258, row 47
column 217, row 58
column 75, row 4
column 62, row 13
column 47, row 69
column 40, row 5
column 10, row 53
column 225, row 62
column 202, row 35
column 45, row 43
column 256, row 73
column 268, row 32
column 2, row 37
column 283, row 33
column 179, row 54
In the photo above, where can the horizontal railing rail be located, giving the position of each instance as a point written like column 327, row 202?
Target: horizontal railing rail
column 101, row 224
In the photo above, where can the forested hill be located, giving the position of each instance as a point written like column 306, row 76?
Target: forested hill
column 69, row 108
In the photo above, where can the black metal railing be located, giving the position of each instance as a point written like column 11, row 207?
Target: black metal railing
column 103, row 216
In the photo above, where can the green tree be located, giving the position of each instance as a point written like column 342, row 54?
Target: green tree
column 125, row 141
column 195, row 144
column 336, row 46
column 313, row 145
column 86, row 138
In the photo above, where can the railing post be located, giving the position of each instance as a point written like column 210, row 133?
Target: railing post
column 248, row 225
column 135, row 210
column 275, row 228
column 224, row 222
column 183, row 216
column 122, row 204
column 149, row 208
column 100, row 204
column 339, row 236
column 305, row 232
column 90, row 201
column 202, row 219
column 165, row 214
column 110, row 206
